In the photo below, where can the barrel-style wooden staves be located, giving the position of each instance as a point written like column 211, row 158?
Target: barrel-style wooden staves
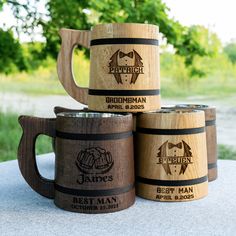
column 124, row 69
column 94, row 170
column 171, row 155
column 99, row 147
column 211, row 135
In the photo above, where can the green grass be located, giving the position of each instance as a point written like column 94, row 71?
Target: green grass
column 44, row 81
column 174, row 82
column 226, row 152
column 10, row 133
column 33, row 87
column 210, row 87
column 37, row 84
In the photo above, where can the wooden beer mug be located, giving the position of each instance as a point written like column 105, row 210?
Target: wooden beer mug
column 171, row 155
column 124, row 68
column 211, row 135
column 94, row 171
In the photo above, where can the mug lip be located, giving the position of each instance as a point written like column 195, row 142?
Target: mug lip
column 186, row 106
column 92, row 114
column 173, row 111
column 131, row 23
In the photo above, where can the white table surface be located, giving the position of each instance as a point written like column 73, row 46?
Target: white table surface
column 24, row 212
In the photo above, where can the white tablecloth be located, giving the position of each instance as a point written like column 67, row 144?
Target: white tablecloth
column 24, row 212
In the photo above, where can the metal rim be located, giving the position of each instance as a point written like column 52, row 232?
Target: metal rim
column 85, row 114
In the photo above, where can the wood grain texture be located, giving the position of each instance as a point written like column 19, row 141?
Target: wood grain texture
column 211, row 135
column 125, row 30
column 80, row 164
column 124, row 77
column 170, row 165
column 59, row 109
column 32, row 127
column 70, row 39
column 94, row 171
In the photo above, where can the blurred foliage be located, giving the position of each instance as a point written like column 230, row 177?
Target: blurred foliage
column 17, row 57
column 11, row 53
column 27, row 15
column 34, row 58
column 230, row 51
column 175, row 82
column 1, row 4
column 82, row 14
column 9, row 145
column 184, row 40
column 44, row 80
column 226, row 152
column 220, row 70
column 10, row 133
column 208, row 45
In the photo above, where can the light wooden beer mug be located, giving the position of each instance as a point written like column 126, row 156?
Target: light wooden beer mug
column 124, row 68
column 211, row 136
column 171, row 155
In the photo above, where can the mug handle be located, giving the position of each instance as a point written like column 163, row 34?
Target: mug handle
column 32, row 127
column 70, row 39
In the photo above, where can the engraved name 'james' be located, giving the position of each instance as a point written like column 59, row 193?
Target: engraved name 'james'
column 94, row 163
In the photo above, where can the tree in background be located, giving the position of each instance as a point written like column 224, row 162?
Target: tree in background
column 230, row 51
column 12, row 57
column 11, row 53
column 1, row 5
column 208, row 45
column 82, row 14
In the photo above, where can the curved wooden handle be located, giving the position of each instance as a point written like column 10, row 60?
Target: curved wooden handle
column 32, row 127
column 71, row 38
column 59, row 109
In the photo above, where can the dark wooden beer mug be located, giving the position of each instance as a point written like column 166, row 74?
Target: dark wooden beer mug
column 171, row 155
column 94, row 170
column 211, row 135
column 124, row 69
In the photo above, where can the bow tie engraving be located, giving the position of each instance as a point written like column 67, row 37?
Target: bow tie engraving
column 134, row 67
column 178, row 145
column 170, row 162
column 122, row 54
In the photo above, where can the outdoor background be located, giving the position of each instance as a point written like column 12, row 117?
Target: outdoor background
column 198, row 58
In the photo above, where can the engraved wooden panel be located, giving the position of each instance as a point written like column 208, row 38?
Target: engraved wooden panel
column 211, row 135
column 94, row 175
column 110, row 65
column 171, row 156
